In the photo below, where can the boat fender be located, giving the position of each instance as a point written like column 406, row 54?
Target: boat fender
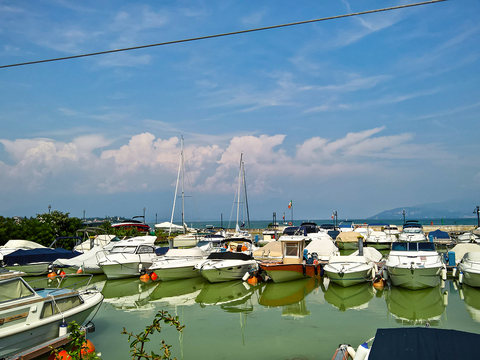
column 316, row 270
column 63, row 328
column 454, row 271
column 460, row 277
column 445, row 298
column 140, row 267
column 444, row 273
column 304, row 270
column 385, row 275
column 351, row 351
column 153, row 276
column 246, row 276
column 362, row 352
column 375, row 267
column 461, row 294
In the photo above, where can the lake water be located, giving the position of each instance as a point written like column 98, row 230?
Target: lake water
column 305, row 319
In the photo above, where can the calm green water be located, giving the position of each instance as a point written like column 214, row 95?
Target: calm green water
column 304, row 319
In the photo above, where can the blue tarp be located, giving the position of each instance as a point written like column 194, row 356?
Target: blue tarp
column 438, row 234
column 23, row 257
column 423, row 343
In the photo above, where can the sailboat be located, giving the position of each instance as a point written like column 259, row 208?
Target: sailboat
column 187, row 238
column 241, row 198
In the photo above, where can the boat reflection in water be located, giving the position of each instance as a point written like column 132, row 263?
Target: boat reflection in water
column 229, row 295
column 128, row 294
column 178, row 292
column 416, row 307
column 471, row 297
column 290, row 295
column 351, row 297
column 79, row 281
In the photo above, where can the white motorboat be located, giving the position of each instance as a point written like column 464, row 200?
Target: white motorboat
column 412, row 232
column 128, row 258
column 87, row 263
column 178, row 264
column 348, row 240
column 415, row 265
column 32, row 317
column 226, row 266
column 468, row 237
column 468, row 269
column 353, row 269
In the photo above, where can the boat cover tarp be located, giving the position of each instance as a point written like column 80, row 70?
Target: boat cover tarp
column 370, row 253
column 22, row 244
column 321, row 247
column 273, row 249
column 348, row 236
column 439, row 234
column 23, row 257
column 462, row 249
column 423, row 343
column 227, row 255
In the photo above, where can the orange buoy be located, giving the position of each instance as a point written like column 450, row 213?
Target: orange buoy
column 379, row 284
column 52, row 274
column 145, row 278
column 87, row 347
column 62, row 273
column 79, row 271
column 252, row 280
column 153, row 276
column 62, row 355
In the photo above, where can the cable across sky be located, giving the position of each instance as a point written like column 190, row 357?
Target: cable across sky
column 219, row 35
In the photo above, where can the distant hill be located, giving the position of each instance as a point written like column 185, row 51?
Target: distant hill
column 451, row 209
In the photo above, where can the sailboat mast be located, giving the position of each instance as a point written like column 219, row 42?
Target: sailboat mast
column 239, row 188
column 245, row 192
column 183, row 189
column 176, row 189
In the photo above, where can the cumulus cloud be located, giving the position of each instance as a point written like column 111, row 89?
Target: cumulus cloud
column 147, row 163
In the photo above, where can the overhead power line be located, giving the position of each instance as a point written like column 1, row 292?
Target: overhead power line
column 221, row 35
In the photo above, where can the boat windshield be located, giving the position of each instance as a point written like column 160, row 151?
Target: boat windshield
column 413, row 246
column 124, row 249
column 14, row 289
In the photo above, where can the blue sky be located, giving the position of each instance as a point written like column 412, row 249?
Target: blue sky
column 357, row 115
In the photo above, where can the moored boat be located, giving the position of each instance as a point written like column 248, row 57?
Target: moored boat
column 293, row 266
column 226, row 266
column 468, row 269
column 415, row 265
column 32, row 317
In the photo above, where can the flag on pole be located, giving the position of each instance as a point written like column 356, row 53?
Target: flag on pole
column 290, row 204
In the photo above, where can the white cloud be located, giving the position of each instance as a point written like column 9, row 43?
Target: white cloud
column 147, row 163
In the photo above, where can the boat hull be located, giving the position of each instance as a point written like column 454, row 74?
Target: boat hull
column 115, row 270
column 470, row 278
column 418, row 278
column 349, row 278
column 288, row 272
column 226, row 272
column 24, row 337
column 177, row 273
column 32, row 269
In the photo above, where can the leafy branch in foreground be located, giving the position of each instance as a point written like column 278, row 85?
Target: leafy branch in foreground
column 138, row 344
column 79, row 346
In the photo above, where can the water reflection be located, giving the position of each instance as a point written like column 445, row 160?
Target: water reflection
column 229, row 295
column 350, row 297
column 415, row 307
column 129, row 294
column 290, row 295
column 471, row 298
column 75, row 281
column 178, row 292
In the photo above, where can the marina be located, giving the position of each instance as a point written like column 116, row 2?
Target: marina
column 301, row 319
column 297, row 297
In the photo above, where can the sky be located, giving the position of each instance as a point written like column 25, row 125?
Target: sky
column 356, row 115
